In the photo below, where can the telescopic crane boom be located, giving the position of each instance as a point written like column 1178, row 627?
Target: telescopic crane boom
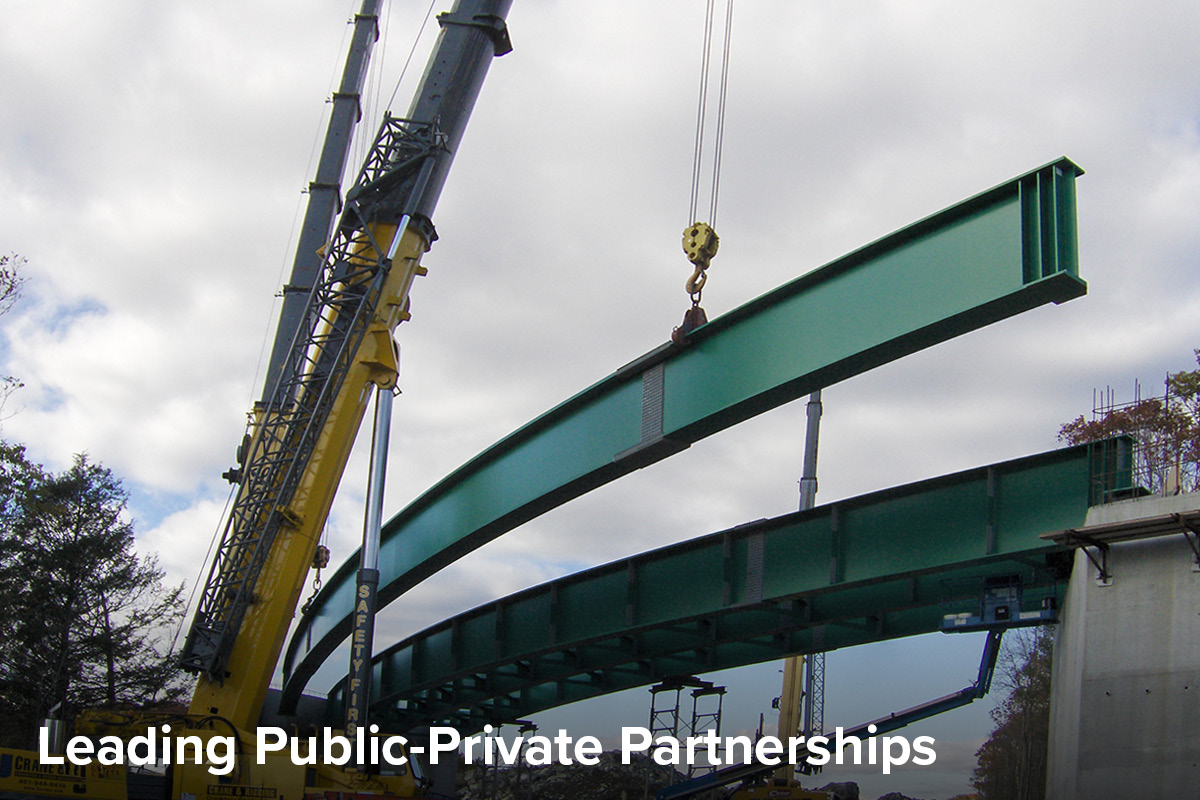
column 348, row 292
column 341, row 347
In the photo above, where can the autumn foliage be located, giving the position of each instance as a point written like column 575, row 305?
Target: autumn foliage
column 1012, row 762
column 1165, row 430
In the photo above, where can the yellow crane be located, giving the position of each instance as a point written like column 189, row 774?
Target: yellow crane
column 334, row 347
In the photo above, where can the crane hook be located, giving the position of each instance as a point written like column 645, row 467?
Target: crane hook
column 695, row 284
column 700, row 243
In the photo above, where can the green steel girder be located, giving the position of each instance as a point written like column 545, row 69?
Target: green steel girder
column 1000, row 253
column 880, row 566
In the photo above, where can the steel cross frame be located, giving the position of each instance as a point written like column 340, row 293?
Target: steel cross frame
column 904, row 557
column 995, row 255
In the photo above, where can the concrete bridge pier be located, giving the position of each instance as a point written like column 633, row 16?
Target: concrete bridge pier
column 1125, row 708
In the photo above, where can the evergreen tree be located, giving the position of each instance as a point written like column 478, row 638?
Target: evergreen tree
column 83, row 615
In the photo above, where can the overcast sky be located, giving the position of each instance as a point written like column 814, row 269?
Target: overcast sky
column 152, row 162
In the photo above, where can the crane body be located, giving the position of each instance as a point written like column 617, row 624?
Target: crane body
column 332, row 350
column 341, row 349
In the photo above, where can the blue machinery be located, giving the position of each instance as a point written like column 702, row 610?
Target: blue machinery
column 750, row 772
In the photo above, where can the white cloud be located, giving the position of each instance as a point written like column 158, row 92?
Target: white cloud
column 181, row 540
column 153, row 157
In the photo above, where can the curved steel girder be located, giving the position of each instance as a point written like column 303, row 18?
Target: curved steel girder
column 1002, row 252
column 880, row 566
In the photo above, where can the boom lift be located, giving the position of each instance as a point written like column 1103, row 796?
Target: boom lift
column 764, row 781
column 333, row 347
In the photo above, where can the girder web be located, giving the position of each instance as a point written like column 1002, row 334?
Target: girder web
column 339, row 311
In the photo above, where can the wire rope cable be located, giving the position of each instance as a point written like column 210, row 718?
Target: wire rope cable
column 701, row 112
column 271, row 321
column 697, row 160
column 408, row 61
column 289, row 249
column 719, row 144
column 372, row 92
column 212, row 543
column 702, row 107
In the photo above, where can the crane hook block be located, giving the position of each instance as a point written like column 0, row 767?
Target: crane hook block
column 700, row 243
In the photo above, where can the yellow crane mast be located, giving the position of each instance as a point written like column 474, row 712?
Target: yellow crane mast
column 334, row 346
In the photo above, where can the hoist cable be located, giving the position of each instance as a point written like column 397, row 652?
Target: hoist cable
column 212, row 543
column 720, row 134
column 378, row 63
column 408, row 60
column 701, row 112
column 335, row 73
column 289, row 250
